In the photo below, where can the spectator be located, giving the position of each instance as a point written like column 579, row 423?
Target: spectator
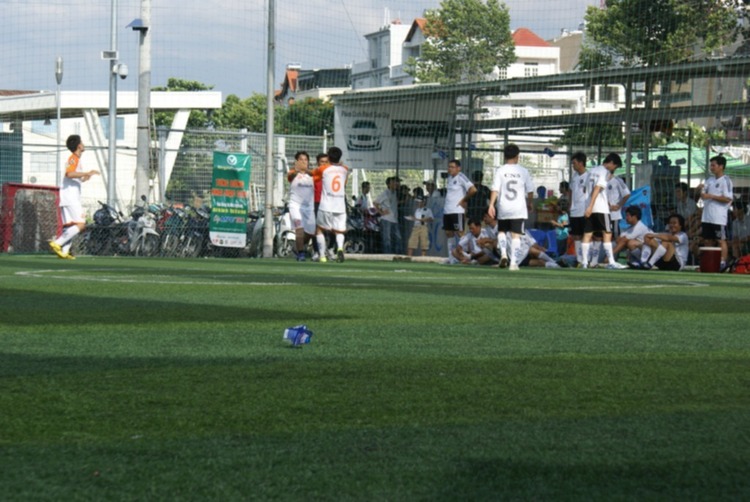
column 633, row 237
column 479, row 203
column 387, row 205
column 740, row 230
column 717, row 195
column 420, row 235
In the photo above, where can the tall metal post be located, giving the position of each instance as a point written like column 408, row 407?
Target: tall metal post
column 112, row 159
column 59, row 78
column 271, row 63
column 143, row 158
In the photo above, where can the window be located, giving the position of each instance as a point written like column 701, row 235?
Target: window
column 104, row 121
column 518, row 111
column 530, row 69
column 502, row 74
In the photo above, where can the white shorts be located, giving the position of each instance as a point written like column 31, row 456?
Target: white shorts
column 72, row 214
column 302, row 217
column 332, row 221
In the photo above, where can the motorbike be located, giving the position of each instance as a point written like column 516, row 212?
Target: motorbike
column 196, row 240
column 284, row 240
column 355, row 237
column 108, row 235
column 143, row 238
column 171, row 226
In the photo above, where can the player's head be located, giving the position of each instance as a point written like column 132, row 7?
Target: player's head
column 718, row 164
column 676, row 222
column 454, row 167
column 334, row 154
column 681, row 189
column 73, row 142
column 475, row 226
column 511, row 151
column 579, row 161
column 612, row 161
column 321, row 159
column 301, row 154
column 365, row 186
column 634, row 212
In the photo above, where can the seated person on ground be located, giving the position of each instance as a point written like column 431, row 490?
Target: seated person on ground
column 632, row 238
column 532, row 254
column 469, row 250
column 667, row 251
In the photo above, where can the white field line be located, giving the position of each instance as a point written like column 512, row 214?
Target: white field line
column 50, row 274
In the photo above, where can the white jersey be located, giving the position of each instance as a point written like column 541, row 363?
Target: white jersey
column 716, row 212
column 469, row 244
column 681, row 248
column 597, row 177
column 422, row 213
column 578, row 195
column 637, row 232
column 616, row 191
column 388, row 203
column 512, row 182
column 70, row 191
column 333, row 192
column 457, row 188
column 302, row 190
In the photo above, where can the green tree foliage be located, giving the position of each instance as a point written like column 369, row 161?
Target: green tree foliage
column 310, row 117
column 237, row 113
column 198, row 118
column 657, row 32
column 466, row 40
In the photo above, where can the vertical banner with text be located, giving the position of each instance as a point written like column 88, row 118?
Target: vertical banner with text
column 231, row 178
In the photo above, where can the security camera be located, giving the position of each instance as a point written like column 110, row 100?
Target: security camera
column 121, row 70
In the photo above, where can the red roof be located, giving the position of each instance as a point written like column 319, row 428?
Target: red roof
column 420, row 23
column 524, row 37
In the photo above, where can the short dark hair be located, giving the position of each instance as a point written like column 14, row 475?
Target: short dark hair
column 455, row 161
column 682, row 186
column 320, row 157
column 475, row 221
column 614, row 158
column 511, row 151
column 580, row 157
column 720, row 160
column 72, row 142
column 679, row 217
column 334, row 154
column 634, row 211
column 365, row 184
column 300, row 154
column 564, row 185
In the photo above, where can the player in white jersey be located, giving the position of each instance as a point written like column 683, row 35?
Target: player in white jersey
column 459, row 189
column 578, row 201
column 666, row 251
column 71, row 208
column 470, row 248
column 633, row 237
column 301, row 203
column 531, row 254
column 717, row 195
column 511, row 196
column 618, row 194
column 597, row 211
column 332, row 209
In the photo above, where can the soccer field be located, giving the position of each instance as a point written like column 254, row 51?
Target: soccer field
column 158, row 379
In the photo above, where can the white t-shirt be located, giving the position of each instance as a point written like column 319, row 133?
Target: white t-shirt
column 616, row 191
column 681, row 248
column 302, row 190
column 714, row 211
column 387, row 201
column 578, row 196
column 456, row 188
column 469, row 244
column 597, row 177
column 741, row 228
column 333, row 192
column 422, row 213
column 637, row 231
column 70, row 191
column 512, row 182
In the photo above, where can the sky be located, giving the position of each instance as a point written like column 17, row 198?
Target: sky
column 222, row 43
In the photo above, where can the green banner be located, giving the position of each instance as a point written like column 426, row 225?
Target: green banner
column 231, row 179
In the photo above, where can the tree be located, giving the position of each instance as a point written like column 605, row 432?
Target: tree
column 198, row 118
column 236, row 113
column 656, row 32
column 465, row 41
column 310, row 117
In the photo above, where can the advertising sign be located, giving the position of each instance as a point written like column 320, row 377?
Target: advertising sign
column 231, row 178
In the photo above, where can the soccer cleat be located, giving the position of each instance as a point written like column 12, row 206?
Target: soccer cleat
column 340, row 255
column 551, row 264
column 68, row 256
column 646, row 266
column 301, row 256
column 57, row 249
column 513, row 266
column 323, row 259
column 504, row 262
column 616, row 266
column 315, row 257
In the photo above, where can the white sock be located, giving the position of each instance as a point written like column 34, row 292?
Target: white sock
column 340, row 242
column 452, row 243
column 645, row 253
column 515, row 245
column 545, row 257
column 658, row 253
column 579, row 256
column 608, row 251
column 585, row 251
column 502, row 244
column 596, row 248
column 68, row 234
column 321, row 239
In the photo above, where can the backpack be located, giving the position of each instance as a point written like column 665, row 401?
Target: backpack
column 742, row 266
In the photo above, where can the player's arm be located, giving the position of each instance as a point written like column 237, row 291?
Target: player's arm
column 469, row 194
column 594, row 194
column 493, row 200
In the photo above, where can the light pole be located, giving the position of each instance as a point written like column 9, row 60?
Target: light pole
column 58, row 77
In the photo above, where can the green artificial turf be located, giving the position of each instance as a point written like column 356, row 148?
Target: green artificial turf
column 157, row 379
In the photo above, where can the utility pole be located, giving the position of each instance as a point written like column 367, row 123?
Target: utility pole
column 143, row 156
column 271, row 63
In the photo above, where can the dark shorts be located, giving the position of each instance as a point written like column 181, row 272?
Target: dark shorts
column 598, row 222
column 713, row 232
column 515, row 226
column 525, row 262
column 577, row 226
column 453, row 222
column 673, row 264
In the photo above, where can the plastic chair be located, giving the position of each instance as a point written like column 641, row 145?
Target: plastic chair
column 540, row 236
column 552, row 243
